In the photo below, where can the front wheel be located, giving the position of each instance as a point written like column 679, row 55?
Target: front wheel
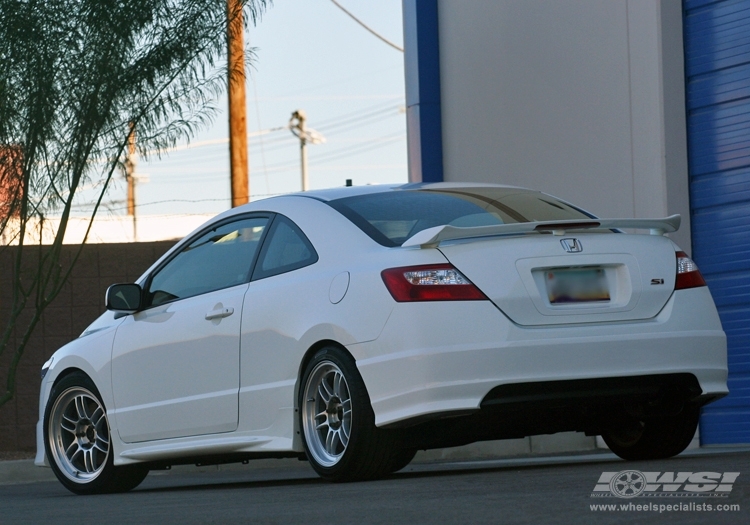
column 337, row 421
column 653, row 438
column 77, row 440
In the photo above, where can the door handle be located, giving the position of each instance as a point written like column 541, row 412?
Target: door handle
column 219, row 313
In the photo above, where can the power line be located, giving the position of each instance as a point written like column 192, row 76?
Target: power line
column 287, row 141
column 355, row 118
column 358, row 167
column 360, row 22
column 345, row 128
column 316, row 160
column 362, row 119
column 214, row 142
column 168, row 201
column 350, row 114
column 355, row 150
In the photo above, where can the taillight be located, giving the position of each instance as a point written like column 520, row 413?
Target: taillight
column 434, row 282
column 688, row 275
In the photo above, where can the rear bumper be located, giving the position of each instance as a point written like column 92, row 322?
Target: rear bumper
column 441, row 358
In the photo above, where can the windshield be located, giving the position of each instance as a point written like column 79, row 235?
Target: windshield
column 390, row 218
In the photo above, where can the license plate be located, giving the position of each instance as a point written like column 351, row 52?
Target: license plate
column 576, row 285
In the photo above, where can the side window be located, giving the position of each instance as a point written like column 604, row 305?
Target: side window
column 285, row 249
column 217, row 259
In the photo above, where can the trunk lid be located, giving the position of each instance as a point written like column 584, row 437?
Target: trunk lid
column 541, row 279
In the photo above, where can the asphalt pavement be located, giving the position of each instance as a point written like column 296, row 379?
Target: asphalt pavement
column 24, row 471
column 533, row 489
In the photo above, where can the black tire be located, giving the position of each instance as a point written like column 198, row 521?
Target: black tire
column 337, row 421
column 77, row 440
column 653, row 438
column 400, row 459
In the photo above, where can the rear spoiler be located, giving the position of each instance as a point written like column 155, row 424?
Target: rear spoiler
column 431, row 237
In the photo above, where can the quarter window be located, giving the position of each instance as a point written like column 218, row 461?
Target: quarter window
column 217, row 259
column 285, row 249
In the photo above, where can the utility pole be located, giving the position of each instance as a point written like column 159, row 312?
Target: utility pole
column 238, row 165
column 130, row 164
column 298, row 126
column 300, row 116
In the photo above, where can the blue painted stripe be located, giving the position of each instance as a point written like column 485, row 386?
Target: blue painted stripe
column 717, row 64
column 730, row 289
column 695, row 4
column 716, row 36
column 423, row 87
column 738, row 387
column 716, row 189
column 723, row 86
column 719, row 137
column 721, row 240
column 728, row 426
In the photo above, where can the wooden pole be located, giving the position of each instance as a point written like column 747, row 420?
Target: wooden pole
column 130, row 175
column 130, row 170
column 239, row 170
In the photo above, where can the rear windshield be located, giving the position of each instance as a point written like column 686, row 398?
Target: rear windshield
column 390, row 218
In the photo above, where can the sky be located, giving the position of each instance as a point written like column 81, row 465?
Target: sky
column 308, row 55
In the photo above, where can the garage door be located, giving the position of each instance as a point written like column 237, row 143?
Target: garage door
column 717, row 63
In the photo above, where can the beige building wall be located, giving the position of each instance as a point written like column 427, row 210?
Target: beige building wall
column 583, row 99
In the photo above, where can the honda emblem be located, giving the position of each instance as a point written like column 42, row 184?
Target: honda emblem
column 571, row 245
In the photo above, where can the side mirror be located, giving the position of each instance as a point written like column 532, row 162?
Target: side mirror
column 123, row 297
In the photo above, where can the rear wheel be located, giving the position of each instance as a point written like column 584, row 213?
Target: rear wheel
column 400, row 459
column 653, row 438
column 77, row 440
column 337, row 421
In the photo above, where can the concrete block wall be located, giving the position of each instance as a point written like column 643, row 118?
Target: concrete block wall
column 78, row 304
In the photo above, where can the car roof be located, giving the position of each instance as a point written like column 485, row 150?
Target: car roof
column 331, row 194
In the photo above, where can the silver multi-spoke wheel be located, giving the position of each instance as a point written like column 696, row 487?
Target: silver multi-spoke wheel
column 327, row 413
column 337, row 423
column 77, row 440
column 78, row 435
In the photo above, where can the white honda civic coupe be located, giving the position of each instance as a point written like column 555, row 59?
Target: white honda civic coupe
column 355, row 326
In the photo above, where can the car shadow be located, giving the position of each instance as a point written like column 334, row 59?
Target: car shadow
column 186, row 481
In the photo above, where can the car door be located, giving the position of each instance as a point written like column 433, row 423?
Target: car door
column 276, row 313
column 175, row 364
